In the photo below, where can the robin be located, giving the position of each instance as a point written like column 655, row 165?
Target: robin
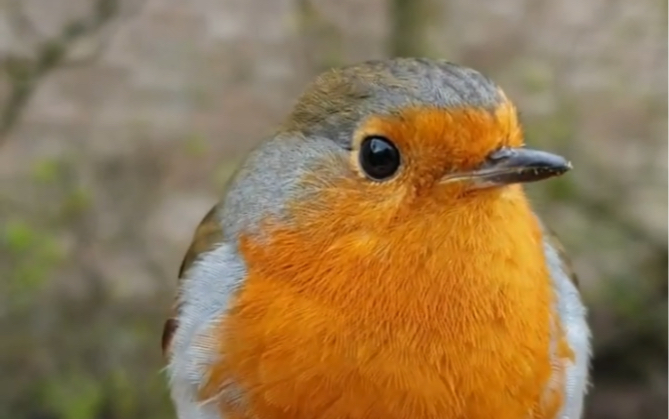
column 376, row 257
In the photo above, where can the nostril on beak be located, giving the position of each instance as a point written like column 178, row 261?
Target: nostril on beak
column 501, row 154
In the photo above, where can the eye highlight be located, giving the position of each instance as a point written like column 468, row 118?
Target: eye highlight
column 379, row 158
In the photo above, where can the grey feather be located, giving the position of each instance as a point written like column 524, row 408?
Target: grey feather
column 572, row 315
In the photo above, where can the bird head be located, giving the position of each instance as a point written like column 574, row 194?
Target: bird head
column 384, row 143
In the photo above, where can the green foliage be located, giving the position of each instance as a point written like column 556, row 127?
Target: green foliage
column 196, row 145
column 47, row 170
column 74, row 395
column 57, row 175
column 121, row 385
column 34, row 254
column 75, row 203
column 98, row 358
column 19, row 237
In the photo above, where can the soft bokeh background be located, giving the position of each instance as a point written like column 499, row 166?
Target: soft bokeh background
column 120, row 121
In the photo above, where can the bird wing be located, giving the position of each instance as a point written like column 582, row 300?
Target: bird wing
column 208, row 234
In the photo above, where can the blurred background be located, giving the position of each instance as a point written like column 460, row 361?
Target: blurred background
column 121, row 120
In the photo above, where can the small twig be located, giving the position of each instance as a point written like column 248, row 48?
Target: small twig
column 25, row 74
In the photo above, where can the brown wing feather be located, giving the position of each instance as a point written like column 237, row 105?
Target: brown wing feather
column 553, row 240
column 207, row 234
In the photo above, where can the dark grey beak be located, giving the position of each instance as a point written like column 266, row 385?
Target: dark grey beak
column 507, row 166
column 522, row 165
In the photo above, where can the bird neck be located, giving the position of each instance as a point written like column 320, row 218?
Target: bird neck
column 482, row 258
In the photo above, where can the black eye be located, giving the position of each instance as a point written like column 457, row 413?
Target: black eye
column 379, row 158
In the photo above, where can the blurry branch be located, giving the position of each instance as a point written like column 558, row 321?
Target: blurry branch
column 409, row 23
column 24, row 72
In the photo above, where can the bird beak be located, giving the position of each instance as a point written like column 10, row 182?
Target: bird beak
column 507, row 166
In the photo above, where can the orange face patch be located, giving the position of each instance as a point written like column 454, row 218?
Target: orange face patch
column 436, row 141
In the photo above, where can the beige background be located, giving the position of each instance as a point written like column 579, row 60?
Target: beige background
column 120, row 122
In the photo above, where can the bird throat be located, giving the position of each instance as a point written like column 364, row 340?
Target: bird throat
column 446, row 315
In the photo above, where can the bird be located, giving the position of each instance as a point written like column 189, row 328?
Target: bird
column 376, row 256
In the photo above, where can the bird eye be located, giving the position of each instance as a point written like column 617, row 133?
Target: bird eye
column 379, row 158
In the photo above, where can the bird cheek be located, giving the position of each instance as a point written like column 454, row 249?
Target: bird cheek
column 450, row 194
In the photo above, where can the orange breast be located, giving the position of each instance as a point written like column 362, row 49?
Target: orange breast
column 439, row 316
